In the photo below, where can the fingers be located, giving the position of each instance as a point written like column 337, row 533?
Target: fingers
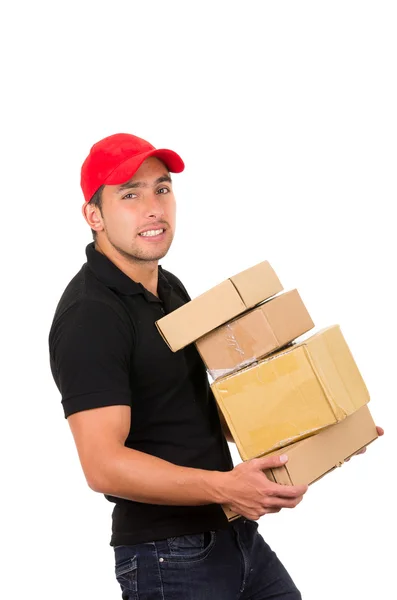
column 272, row 506
column 269, row 462
column 357, row 453
column 282, row 502
column 379, row 431
column 275, row 489
column 255, row 514
column 286, row 491
column 362, row 451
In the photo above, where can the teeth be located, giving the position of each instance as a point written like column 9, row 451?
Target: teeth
column 152, row 232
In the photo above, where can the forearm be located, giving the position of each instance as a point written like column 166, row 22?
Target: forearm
column 141, row 477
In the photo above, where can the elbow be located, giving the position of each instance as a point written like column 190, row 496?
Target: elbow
column 100, row 486
column 97, row 481
column 95, row 485
column 102, row 473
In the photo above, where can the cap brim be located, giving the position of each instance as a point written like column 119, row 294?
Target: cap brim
column 129, row 167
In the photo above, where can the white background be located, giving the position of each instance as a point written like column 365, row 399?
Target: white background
column 285, row 115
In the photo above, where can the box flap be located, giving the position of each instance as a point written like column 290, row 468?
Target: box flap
column 257, row 284
column 337, row 370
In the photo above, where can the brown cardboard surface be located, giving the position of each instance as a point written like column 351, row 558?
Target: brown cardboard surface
column 312, row 458
column 254, row 334
column 219, row 305
column 291, row 394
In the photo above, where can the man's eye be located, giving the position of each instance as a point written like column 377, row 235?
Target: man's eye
column 163, row 190
column 130, row 195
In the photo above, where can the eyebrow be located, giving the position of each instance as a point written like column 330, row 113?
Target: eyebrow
column 130, row 185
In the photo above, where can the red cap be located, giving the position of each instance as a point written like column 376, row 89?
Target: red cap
column 116, row 158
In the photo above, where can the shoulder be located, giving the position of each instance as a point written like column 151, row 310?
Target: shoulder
column 86, row 293
column 88, row 310
column 90, row 323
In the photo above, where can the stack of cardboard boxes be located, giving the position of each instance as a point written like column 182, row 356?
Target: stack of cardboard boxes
column 277, row 394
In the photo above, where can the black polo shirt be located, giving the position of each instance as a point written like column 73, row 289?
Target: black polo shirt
column 105, row 350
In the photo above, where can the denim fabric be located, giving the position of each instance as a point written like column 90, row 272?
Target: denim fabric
column 231, row 564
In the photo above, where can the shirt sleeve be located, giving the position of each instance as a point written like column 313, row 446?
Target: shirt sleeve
column 90, row 354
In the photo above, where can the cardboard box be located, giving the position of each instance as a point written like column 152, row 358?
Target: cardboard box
column 219, row 305
column 255, row 334
column 312, row 458
column 291, row 394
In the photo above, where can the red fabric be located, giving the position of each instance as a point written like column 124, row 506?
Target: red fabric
column 116, row 158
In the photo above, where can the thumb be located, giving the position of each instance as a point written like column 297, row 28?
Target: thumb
column 271, row 462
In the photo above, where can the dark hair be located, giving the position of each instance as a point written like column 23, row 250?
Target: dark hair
column 96, row 200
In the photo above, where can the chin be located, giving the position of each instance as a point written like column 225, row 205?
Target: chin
column 157, row 256
column 152, row 256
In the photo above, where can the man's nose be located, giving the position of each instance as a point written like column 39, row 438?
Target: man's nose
column 154, row 206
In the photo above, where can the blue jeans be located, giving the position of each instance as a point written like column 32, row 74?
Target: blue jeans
column 231, row 564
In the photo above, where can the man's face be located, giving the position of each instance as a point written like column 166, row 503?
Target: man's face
column 139, row 216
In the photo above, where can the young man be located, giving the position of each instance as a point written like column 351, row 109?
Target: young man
column 143, row 418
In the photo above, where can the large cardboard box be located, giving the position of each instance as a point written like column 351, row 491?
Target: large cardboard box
column 255, row 334
column 311, row 458
column 219, row 305
column 291, row 394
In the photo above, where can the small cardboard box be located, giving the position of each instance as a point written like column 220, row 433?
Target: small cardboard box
column 291, row 394
column 312, row 458
column 255, row 334
column 219, row 305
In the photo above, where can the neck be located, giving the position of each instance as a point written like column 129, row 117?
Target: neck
column 144, row 272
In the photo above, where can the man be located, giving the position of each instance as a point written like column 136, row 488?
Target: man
column 143, row 418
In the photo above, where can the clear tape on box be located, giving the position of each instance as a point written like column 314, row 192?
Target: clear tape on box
column 232, row 341
column 219, row 373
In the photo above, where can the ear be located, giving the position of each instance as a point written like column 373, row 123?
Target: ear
column 93, row 216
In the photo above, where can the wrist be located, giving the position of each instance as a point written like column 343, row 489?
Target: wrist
column 214, row 484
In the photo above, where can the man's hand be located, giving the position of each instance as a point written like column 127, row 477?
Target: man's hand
column 247, row 491
column 379, row 431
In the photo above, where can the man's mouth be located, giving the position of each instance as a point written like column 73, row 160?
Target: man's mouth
column 152, row 233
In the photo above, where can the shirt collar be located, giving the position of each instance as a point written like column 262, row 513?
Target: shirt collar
column 109, row 274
